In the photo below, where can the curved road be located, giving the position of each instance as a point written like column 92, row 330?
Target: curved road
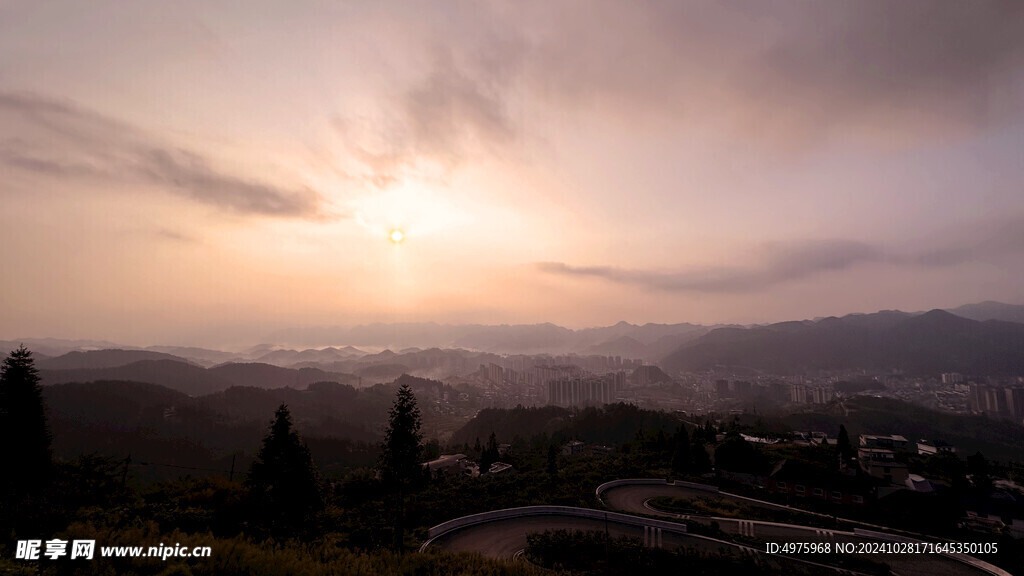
column 632, row 499
column 505, row 537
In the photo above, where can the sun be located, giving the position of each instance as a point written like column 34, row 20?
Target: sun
column 397, row 236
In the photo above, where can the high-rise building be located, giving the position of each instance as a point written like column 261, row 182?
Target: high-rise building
column 1005, row 401
column 579, row 391
column 952, row 378
column 722, row 388
column 742, row 388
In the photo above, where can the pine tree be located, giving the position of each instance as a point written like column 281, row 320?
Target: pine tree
column 283, row 479
column 490, row 454
column 843, row 441
column 26, row 447
column 699, row 459
column 552, row 468
column 681, row 457
column 401, row 453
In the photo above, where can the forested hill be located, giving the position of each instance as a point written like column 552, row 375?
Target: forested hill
column 999, row 439
column 610, row 424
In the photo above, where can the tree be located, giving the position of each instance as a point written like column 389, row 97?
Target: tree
column 681, row 457
column 490, row 454
column 737, row 455
column 552, row 468
column 978, row 467
column 845, row 448
column 26, row 444
column 401, row 453
column 432, row 449
column 699, row 459
column 660, row 441
column 283, row 479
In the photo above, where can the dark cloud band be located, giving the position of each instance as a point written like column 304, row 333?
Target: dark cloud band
column 59, row 140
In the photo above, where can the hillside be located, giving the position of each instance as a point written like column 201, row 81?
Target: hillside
column 180, row 376
column 610, row 424
column 929, row 343
column 1000, row 439
column 990, row 310
column 91, row 359
column 262, row 375
column 168, row 433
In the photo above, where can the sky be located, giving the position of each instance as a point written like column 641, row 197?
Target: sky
column 207, row 172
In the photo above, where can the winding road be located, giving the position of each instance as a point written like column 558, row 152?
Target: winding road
column 502, row 534
column 635, row 499
column 504, row 538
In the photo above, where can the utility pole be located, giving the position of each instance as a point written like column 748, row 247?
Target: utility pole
column 231, row 475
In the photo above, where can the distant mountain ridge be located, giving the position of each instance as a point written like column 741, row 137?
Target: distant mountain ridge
column 180, row 376
column 94, row 359
column 929, row 343
column 334, row 348
column 648, row 341
column 990, row 310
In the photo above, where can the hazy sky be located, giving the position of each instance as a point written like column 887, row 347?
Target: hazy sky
column 207, row 171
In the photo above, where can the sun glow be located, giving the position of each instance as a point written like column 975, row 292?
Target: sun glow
column 397, row 213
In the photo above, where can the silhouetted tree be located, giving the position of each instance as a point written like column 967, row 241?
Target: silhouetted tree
column 699, row 460
column 977, row 466
column 552, row 460
column 681, row 456
column 737, row 455
column 432, row 450
column 400, row 457
column 283, row 480
column 951, row 467
column 26, row 440
column 660, row 441
column 709, row 432
column 846, row 451
column 490, row 454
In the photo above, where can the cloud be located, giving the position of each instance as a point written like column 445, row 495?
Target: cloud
column 785, row 263
column 59, row 140
column 977, row 241
column 776, row 74
column 432, row 127
column 789, row 262
column 772, row 71
column 173, row 235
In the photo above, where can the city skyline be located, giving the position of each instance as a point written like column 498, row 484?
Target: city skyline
column 199, row 173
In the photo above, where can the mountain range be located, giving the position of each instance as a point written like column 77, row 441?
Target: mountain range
column 437, row 350
column 930, row 343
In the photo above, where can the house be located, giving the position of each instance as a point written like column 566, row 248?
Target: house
column 802, row 480
column 919, row 483
column 892, row 442
column 448, row 464
column 881, row 463
column 573, row 448
column 932, row 447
